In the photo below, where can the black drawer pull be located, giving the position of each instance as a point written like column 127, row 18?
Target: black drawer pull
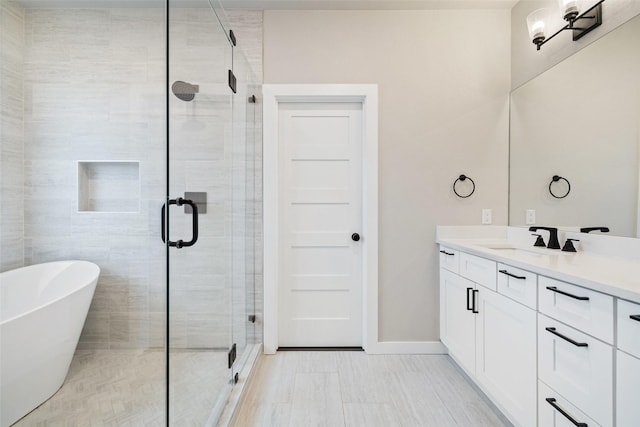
column 447, row 253
column 552, row 401
column 474, row 309
column 556, row 290
column 512, row 275
column 576, row 343
column 469, row 305
column 635, row 317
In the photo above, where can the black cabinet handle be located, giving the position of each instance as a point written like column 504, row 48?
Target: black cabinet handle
column 512, row 275
column 556, row 290
column 473, row 301
column 469, row 305
column 635, row 317
column 552, row 401
column 194, row 223
column 558, row 334
column 447, row 253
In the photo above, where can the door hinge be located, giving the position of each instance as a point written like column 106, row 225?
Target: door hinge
column 252, row 318
column 252, row 99
column 232, row 81
column 232, row 37
column 232, row 355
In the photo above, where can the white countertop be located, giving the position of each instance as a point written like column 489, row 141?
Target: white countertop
column 614, row 275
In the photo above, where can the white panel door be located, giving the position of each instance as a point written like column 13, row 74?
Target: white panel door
column 320, row 183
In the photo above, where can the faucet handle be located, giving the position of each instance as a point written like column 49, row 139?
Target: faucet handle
column 539, row 241
column 568, row 245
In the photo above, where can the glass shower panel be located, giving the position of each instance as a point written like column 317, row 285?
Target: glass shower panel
column 82, row 155
column 200, row 175
column 244, row 220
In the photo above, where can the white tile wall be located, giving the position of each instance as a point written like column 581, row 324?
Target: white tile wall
column 11, row 135
column 94, row 90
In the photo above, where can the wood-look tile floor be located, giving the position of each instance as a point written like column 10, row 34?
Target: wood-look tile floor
column 333, row 389
column 127, row 388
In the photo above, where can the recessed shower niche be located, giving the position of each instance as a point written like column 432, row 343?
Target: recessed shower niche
column 109, row 186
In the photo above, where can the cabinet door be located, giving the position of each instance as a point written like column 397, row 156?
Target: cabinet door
column 457, row 330
column 628, row 378
column 506, row 355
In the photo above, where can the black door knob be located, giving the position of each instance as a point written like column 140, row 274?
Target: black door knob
column 355, row 237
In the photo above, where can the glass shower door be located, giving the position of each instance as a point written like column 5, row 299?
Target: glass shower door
column 199, row 216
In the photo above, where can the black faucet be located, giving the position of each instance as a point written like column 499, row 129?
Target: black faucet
column 553, row 236
column 588, row 229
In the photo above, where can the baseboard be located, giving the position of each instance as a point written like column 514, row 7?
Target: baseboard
column 407, row 347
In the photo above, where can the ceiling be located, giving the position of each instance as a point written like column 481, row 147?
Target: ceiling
column 285, row 4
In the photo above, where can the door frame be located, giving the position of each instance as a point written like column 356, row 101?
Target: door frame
column 367, row 95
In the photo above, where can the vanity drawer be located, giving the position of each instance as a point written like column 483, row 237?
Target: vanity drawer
column 449, row 259
column 519, row 285
column 551, row 403
column 479, row 270
column 584, row 309
column 629, row 327
column 577, row 366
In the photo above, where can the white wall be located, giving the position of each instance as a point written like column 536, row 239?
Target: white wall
column 527, row 63
column 443, row 79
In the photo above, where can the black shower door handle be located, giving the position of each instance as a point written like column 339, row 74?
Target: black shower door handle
column 194, row 223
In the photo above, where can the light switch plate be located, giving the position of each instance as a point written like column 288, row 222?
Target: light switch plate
column 486, row 216
column 530, row 216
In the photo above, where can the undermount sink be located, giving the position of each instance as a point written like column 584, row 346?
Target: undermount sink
column 517, row 251
column 508, row 248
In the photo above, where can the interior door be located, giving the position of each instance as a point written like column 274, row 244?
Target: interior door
column 197, row 214
column 320, row 296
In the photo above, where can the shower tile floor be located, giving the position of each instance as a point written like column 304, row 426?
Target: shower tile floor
column 126, row 388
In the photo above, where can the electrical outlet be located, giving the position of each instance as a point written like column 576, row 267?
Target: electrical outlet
column 486, row 216
column 530, row 216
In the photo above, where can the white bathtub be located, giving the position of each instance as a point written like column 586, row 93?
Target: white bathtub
column 42, row 311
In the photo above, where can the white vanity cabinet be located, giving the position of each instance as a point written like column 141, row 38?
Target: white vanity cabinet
column 556, row 335
column 628, row 365
column 492, row 336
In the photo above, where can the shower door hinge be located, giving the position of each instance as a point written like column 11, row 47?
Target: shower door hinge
column 252, row 318
column 232, row 37
column 232, row 355
column 232, row 81
column 252, row 99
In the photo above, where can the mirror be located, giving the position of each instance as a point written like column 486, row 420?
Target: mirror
column 580, row 120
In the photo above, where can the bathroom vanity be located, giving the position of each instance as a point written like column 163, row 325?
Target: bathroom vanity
column 553, row 338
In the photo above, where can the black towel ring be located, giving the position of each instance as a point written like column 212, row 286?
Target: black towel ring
column 557, row 178
column 463, row 178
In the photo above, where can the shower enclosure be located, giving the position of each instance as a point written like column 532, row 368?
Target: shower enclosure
column 131, row 137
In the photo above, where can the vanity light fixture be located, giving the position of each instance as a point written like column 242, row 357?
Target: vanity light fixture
column 579, row 23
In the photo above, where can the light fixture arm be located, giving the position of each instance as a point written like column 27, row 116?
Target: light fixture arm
column 578, row 32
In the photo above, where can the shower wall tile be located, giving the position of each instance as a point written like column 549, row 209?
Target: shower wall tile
column 12, row 42
column 94, row 91
column 92, row 94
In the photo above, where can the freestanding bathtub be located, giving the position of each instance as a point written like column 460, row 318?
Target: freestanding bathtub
column 42, row 311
